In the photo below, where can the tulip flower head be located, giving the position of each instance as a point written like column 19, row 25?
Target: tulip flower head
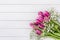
column 40, row 13
column 46, row 16
column 39, row 32
column 34, row 25
column 39, row 23
column 40, row 18
column 41, row 26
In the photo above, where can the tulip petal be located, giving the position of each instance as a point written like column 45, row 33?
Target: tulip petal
column 41, row 26
column 38, row 32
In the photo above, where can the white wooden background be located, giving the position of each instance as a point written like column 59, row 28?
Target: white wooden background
column 15, row 16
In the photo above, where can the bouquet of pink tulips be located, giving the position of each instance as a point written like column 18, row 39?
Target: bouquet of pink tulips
column 46, row 25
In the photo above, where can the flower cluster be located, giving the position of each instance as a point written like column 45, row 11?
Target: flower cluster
column 47, row 24
column 39, row 22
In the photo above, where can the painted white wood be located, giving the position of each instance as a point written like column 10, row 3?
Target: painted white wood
column 29, row 1
column 14, row 38
column 18, row 16
column 26, row 8
column 14, row 32
column 14, row 24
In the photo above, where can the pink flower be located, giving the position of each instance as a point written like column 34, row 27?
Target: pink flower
column 39, row 32
column 46, row 14
column 40, row 19
column 40, row 13
column 46, row 19
column 32, row 25
column 41, row 26
column 36, row 23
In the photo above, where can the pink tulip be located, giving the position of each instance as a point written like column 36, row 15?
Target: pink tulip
column 41, row 26
column 46, row 14
column 40, row 13
column 40, row 19
column 36, row 23
column 46, row 19
column 38, row 32
column 32, row 25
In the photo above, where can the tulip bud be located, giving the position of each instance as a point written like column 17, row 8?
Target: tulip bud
column 40, row 13
column 32, row 25
column 46, row 14
column 41, row 26
column 40, row 19
column 39, row 32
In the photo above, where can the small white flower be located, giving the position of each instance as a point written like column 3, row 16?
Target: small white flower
column 47, row 38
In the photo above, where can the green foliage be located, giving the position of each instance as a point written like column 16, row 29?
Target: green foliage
column 52, row 28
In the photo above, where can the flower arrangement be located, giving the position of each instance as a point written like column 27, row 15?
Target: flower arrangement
column 46, row 25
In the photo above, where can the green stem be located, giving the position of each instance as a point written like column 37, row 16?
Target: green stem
column 55, row 22
column 52, row 35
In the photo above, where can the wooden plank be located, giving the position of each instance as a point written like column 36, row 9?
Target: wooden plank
column 15, row 32
column 26, row 8
column 14, row 24
column 14, row 38
column 29, row 2
column 18, row 16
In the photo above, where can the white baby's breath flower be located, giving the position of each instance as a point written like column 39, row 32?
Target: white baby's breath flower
column 47, row 38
